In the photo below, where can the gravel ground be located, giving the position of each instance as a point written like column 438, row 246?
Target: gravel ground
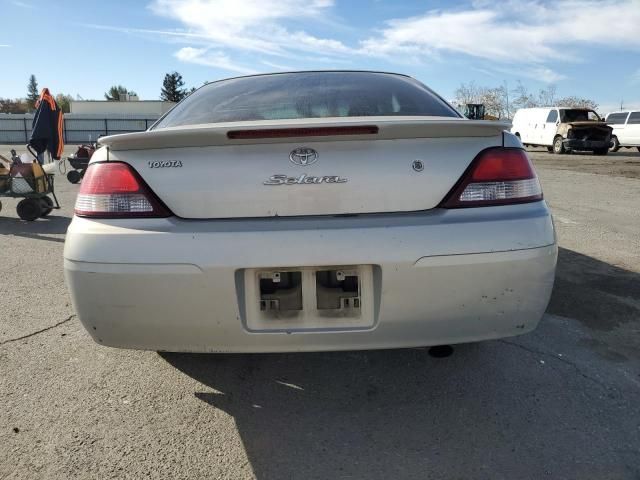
column 561, row 402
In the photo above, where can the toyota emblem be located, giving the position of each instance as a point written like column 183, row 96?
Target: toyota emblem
column 303, row 156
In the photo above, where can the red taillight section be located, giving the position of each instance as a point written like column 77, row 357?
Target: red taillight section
column 497, row 176
column 115, row 190
column 302, row 132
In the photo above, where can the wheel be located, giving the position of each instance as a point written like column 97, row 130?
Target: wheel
column 638, row 148
column 29, row 209
column 0, row 206
column 558, row 147
column 47, row 206
column 615, row 144
column 600, row 151
column 74, row 176
column 550, row 149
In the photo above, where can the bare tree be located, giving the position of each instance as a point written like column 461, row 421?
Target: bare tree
column 547, row 96
column 576, row 102
column 495, row 100
column 523, row 98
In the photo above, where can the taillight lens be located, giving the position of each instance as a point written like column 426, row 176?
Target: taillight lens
column 498, row 176
column 115, row 190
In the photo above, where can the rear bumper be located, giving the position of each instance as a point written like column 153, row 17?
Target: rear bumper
column 438, row 277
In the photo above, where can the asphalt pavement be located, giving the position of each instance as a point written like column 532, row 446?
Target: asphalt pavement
column 561, row 402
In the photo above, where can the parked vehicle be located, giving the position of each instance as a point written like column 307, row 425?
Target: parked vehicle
column 626, row 129
column 310, row 211
column 562, row 130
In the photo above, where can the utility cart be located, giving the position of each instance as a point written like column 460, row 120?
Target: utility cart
column 79, row 162
column 31, row 183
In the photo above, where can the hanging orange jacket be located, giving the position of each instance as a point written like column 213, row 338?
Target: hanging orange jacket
column 47, row 127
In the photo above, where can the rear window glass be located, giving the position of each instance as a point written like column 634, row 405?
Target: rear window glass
column 617, row 118
column 634, row 118
column 307, row 95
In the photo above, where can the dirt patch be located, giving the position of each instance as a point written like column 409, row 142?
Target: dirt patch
column 623, row 163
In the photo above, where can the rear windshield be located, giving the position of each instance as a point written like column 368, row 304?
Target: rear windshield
column 307, row 95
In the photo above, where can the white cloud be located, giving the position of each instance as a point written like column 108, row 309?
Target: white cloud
column 278, row 66
column 253, row 25
column 515, row 32
column 525, row 38
column 17, row 3
column 203, row 56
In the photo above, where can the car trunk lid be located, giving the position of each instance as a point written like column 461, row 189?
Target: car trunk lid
column 354, row 166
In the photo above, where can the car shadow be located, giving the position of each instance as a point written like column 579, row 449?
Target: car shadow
column 404, row 414
column 38, row 229
column 600, row 295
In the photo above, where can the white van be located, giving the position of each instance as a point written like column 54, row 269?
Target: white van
column 562, row 129
column 626, row 129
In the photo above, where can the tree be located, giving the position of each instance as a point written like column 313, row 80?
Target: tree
column 64, row 102
column 172, row 90
column 576, row 102
column 8, row 105
column 523, row 98
column 495, row 100
column 113, row 94
column 32, row 92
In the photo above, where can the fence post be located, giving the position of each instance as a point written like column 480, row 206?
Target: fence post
column 64, row 129
column 26, row 135
column 106, row 127
column 146, row 124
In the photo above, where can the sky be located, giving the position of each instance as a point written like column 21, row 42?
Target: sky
column 588, row 48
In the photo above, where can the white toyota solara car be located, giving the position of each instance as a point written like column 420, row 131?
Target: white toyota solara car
column 310, row 211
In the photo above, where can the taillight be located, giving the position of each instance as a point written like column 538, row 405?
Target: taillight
column 115, row 190
column 497, row 176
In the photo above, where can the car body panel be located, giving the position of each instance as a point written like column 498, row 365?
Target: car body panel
column 443, row 276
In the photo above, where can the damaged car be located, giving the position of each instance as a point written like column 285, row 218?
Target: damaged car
column 562, row 130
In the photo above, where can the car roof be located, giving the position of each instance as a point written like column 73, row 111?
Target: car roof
column 313, row 71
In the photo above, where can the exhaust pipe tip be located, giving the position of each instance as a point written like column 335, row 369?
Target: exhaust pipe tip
column 441, row 351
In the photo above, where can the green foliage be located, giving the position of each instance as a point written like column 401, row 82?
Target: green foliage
column 113, row 94
column 32, row 92
column 64, row 102
column 172, row 90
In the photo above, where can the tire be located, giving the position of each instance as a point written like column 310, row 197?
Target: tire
column 550, row 149
column 29, row 209
column 0, row 206
column 74, row 176
column 615, row 144
column 638, row 148
column 600, row 151
column 47, row 206
column 558, row 147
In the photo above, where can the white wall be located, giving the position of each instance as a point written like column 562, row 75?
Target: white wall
column 102, row 107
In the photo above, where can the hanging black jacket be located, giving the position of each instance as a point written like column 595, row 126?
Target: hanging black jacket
column 47, row 126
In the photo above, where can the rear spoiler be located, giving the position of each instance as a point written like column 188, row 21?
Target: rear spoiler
column 316, row 130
